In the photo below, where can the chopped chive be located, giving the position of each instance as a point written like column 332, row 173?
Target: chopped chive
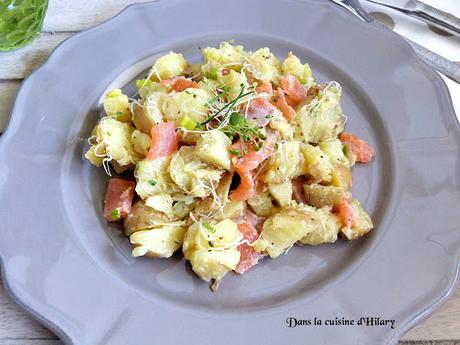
column 229, row 106
column 116, row 214
column 187, row 123
column 212, row 73
column 209, row 227
column 225, row 91
column 258, row 146
column 152, row 182
column 141, row 83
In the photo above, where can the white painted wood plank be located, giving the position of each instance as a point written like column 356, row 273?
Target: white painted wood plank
column 19, row 64
column 443, row 324
column 70, row 15
column 22, row 341
column 14, row 323
column 7, row 92
column 32, row 342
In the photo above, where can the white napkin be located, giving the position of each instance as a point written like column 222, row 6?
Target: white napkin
column 440, row 42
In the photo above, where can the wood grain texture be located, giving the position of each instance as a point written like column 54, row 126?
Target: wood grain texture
column 65, row 17
column 8, row 90
column 16, row 324
column 443, row 324
column 36, row 342
column 58, row 342
column 19, row 64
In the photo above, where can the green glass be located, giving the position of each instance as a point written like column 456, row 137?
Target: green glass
column 20, row 22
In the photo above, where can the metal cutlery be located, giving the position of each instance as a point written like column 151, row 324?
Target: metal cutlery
column 436, row 61
column 429, row 14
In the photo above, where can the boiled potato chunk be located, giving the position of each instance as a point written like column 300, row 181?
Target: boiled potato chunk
column 96, row 158
column 183, row 204
column 159, row 242
column 191, row 174
column 363, row 223
column 285, row 164
column 232, row 210
column 335, row 151
column 266, row 67
column 190, row 102
column 168, row 66
column 152, row 177
column 318, row 195
column 221, row 207
column 234, row 81
column 141, row 143
column 317, row 164
column 279, row 123
column 149, row 113
column 212, row 148
column 162, row 202
column 341, row 176
column 211, row 204
column 226, row 54
column 321, row 119
column 116, row 105
column 285, row 228
column 113, row 141
column 145, row 87
column 292, row 65
column 143, row 217
column 262, row 204
column 282, row 192
column 325, row 227
column 212, row 248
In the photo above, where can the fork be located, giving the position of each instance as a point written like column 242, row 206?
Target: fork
column 436, row 61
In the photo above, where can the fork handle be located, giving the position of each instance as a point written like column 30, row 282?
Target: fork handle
column 436, row 17
column 441, row 64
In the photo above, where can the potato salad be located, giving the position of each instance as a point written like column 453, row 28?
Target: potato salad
column 230, row 160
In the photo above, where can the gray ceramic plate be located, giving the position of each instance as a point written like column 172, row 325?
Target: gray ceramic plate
column 74, row 273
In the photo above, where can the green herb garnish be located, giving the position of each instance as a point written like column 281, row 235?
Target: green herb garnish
column 236, row 119
column 229, row 106
column 187, row 123
column 211, row 244
column 244, row 128
column 236, row 152
column 116, row 215
column 212, row 73
column 152, row 182
column 225, row 91
column 258, row 146
column 141, row 83
column 209, row 227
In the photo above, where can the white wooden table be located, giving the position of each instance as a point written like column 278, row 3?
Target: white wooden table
column 63, row 19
